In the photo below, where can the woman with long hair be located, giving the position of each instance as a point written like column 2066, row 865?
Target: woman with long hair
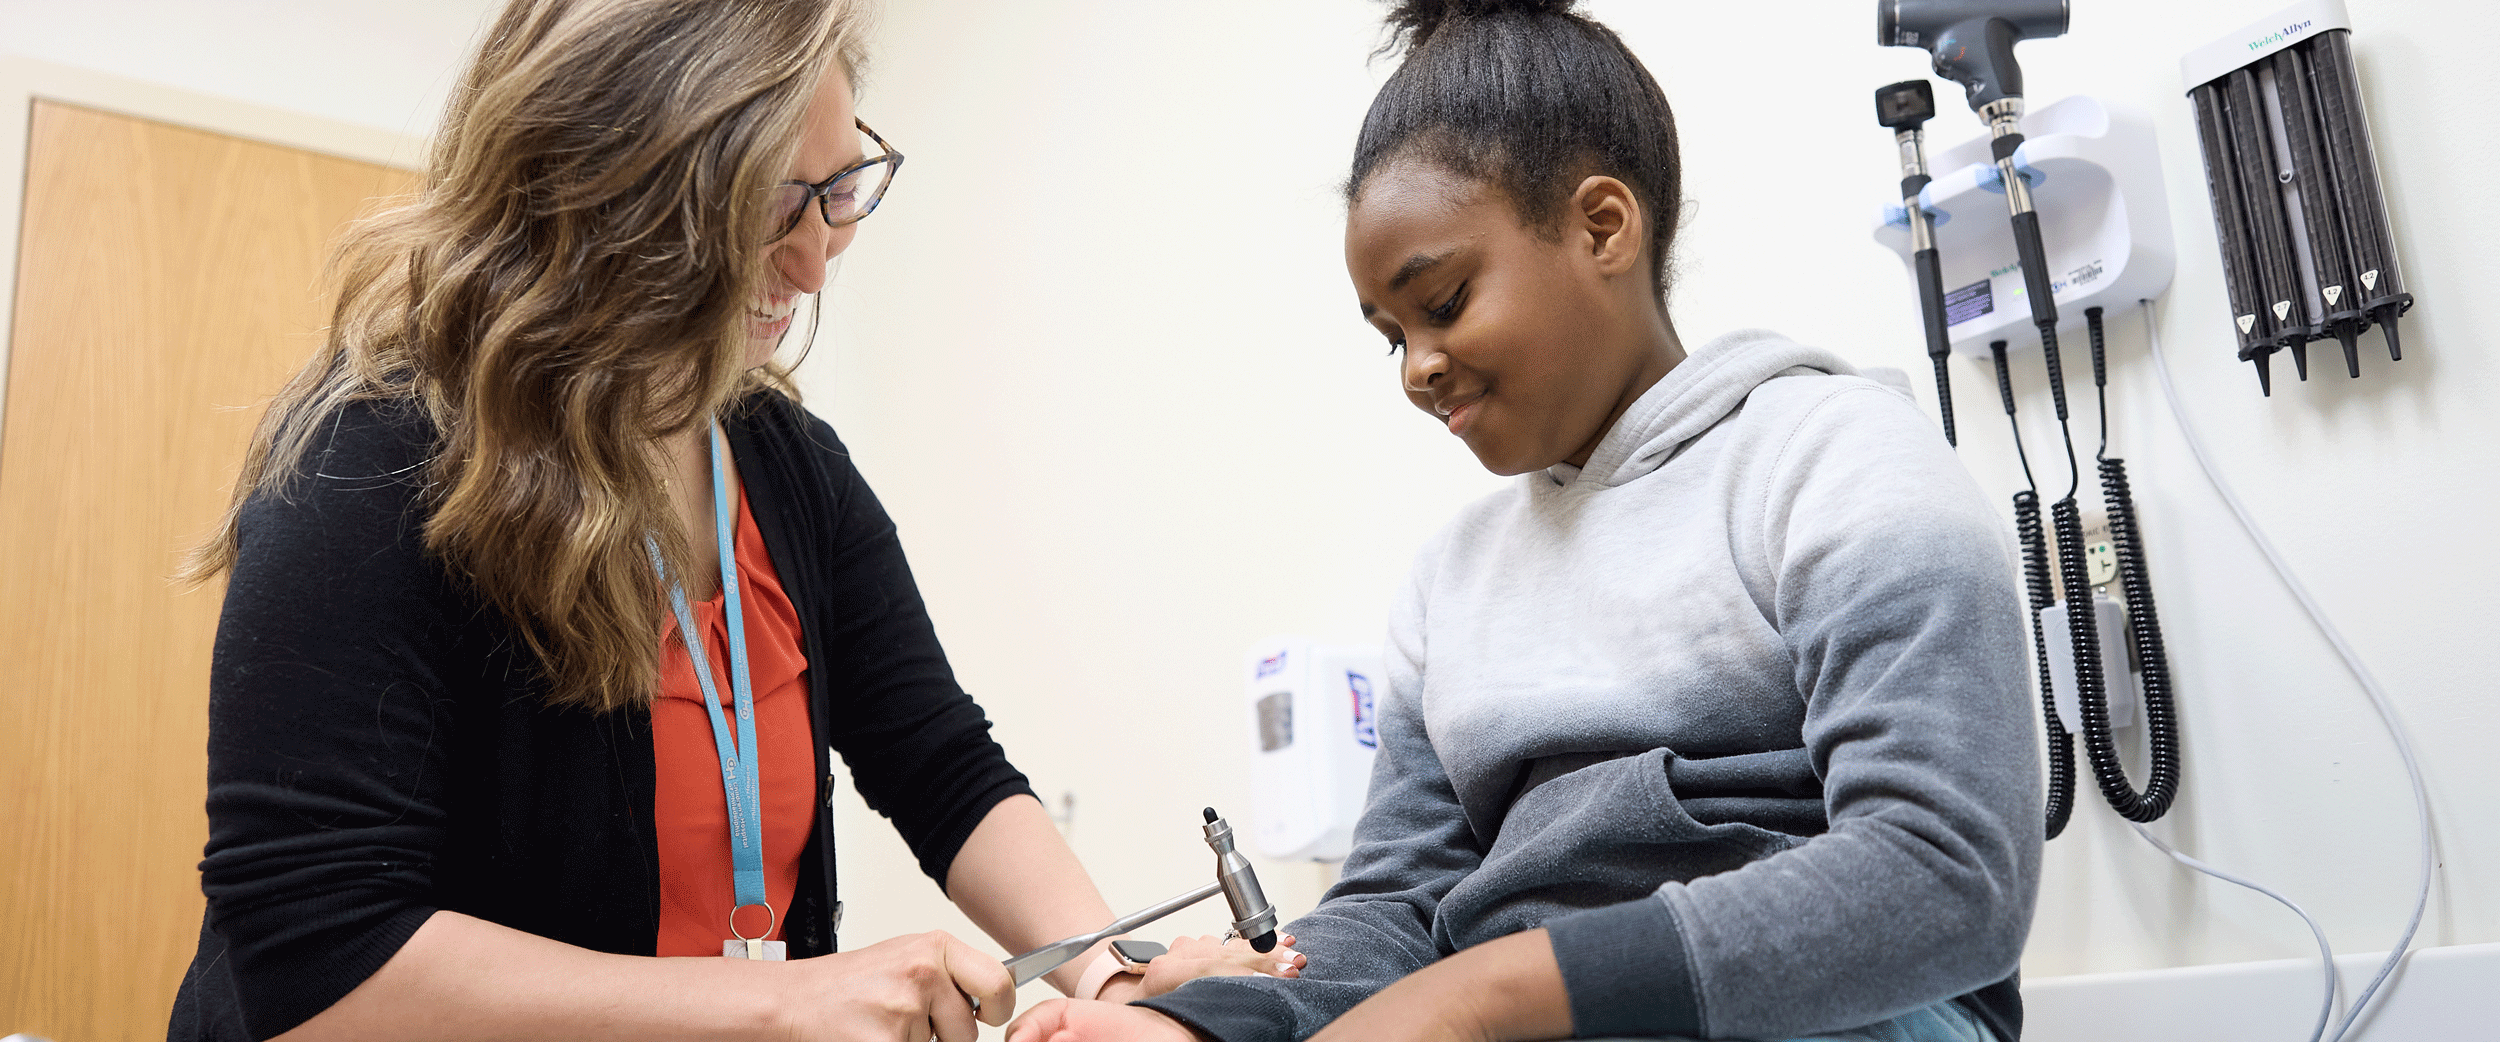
column 548, row 605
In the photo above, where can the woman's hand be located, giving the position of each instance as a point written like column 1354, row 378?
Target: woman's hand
column 1078, row 1020
column 908, row 989
column 1189, row 958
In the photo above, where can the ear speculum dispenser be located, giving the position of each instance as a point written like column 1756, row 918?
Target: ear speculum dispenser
column 2307, row 250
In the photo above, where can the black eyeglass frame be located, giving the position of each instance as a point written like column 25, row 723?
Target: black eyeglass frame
column 818, row 190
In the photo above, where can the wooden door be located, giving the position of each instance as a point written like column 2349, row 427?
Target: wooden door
column 166, row 286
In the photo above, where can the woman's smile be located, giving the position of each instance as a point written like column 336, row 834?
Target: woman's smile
column 768, row 319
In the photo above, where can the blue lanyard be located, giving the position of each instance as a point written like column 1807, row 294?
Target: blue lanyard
column 737, row 772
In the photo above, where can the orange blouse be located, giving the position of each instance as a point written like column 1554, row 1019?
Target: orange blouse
column 690, row 812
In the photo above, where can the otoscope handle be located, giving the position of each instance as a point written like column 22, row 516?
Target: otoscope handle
column 2035, row 263
column 2043, row 308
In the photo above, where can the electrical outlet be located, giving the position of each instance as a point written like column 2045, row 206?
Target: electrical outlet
column 1064, row 817
column 2100, row 555
column 2100, row 551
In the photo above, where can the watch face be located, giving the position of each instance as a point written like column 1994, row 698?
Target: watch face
column 1136, row 953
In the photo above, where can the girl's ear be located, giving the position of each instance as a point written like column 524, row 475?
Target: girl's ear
column 1608, row 217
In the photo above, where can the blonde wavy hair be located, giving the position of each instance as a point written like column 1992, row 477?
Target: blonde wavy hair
column 567, row 289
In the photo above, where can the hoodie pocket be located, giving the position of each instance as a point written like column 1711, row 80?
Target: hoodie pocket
column 1606, row 833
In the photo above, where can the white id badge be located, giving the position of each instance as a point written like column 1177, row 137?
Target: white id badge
column 762, row 951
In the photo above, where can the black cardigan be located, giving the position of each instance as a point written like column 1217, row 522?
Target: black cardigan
column 378, row 747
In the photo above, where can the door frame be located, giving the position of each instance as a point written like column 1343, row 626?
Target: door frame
column 24, row 81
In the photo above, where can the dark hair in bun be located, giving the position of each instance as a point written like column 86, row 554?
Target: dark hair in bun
column 1527, row 96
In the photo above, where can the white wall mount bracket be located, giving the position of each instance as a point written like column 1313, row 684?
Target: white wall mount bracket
column 2104, row 223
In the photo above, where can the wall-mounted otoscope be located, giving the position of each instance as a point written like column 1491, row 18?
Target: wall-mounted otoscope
column 1253, row 916
column 1904, row 108
column 1972, row 40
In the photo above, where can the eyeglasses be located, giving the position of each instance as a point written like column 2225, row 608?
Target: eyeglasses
column 847, row 196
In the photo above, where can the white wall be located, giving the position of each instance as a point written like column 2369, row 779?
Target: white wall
column 1099, row 358
column 384, row 65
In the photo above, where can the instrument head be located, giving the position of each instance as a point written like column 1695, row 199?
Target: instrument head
column 1906, row 105
column 1971, row 41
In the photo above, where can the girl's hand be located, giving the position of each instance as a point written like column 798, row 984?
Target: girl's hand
column 908, row 989
column 1190, row 958
column 1078, row 1020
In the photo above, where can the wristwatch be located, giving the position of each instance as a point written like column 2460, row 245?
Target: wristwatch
column 1134, row 955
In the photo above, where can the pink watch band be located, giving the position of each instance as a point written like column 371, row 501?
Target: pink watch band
column 1097, row 974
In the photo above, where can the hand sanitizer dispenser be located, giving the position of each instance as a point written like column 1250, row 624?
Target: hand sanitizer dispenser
column 1313, row 733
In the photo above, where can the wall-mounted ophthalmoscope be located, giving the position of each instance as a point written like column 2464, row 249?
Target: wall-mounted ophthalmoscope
column 1904, row 108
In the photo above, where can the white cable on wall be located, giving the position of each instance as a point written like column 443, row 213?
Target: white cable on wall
column 2326, row 953
column 2352, row 661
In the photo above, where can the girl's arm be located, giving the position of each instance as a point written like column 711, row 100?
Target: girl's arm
column 463, row 978
column 1504, row 989
column 1501, row 990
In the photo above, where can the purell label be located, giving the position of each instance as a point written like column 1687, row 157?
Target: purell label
column 2369, row 280
column 2247, row 322
column 2333, row 294
column 2282, row 310
column 1366, row 718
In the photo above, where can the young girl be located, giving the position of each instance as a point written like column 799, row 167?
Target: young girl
column 1712, row 725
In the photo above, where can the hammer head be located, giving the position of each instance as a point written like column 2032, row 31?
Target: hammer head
column 1971, row 41
column 1253, row 916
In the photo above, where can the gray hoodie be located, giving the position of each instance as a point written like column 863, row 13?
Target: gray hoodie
column 1738, row 713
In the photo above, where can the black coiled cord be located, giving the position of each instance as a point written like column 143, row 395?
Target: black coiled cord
column 2061, row 804
column 2057, row 397
column 2161, row 723
column 2061, row 796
